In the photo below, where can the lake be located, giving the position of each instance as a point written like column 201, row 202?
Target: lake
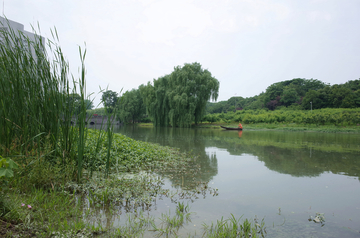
column 279, row 176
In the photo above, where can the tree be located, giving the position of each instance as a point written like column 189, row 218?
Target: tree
column 89, row 104
column 290, row 91
column 131, row 107
column 317, row 99
column 338, row 95
column 289, row 95
column 354, row 85
column 109, row 99
column 180, row 98
column 74, row 103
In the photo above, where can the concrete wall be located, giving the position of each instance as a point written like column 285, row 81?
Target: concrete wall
column 18, row 29
column 97, row 120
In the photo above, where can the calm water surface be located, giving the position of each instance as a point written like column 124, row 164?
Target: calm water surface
column 283, row 177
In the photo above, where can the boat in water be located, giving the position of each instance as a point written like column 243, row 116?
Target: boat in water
column 231, row 128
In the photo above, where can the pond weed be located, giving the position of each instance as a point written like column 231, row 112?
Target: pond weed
column 233, row 227
column 169, row 225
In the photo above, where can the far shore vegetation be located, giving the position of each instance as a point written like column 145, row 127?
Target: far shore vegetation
column 291, row 104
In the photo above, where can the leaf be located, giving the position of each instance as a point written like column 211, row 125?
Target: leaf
column 6, row 172
column 3, row 162
column 12, row 164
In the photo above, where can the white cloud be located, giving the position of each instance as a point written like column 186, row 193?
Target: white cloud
column 168, row 20
column 319, row 16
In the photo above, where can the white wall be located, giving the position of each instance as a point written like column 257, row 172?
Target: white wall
column 19, row 31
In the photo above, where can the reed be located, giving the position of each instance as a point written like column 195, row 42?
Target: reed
column 233, row 227
column 35, row 97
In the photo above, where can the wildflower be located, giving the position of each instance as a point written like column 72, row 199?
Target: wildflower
column 22, row 204
column 29, row 206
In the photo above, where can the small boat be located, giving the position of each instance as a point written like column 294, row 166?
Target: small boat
column 231, row 128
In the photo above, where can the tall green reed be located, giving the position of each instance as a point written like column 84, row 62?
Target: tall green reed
column 35, row 105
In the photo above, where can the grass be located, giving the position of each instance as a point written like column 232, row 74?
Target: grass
column 37, row 107
column 170, row 225
column 286, row 127
column 51, row 212
column 233, row 227
column 36, row 100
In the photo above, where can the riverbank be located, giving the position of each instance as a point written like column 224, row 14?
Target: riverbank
column 40, row 201
column 286, row 127
column 43, row 202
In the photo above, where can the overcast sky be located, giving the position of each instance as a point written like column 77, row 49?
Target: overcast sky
column 246, row 44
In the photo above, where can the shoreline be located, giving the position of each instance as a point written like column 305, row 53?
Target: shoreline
column 276, row 127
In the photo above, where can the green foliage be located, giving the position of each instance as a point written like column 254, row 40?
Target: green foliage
column 353, row 85
column 6, row 167
column 296, row 94
column 324, row 116
column 109, row 99
column 132, row 107
column 99, row 111
column 335, row 96
column 237, row 103
column 38, row 102
column 127, row 154
column 180, row 98
column 233, row 227
column 74, row 102
column 170, row 225
column 33, row 97
column 289, row 96
column 6, row 171
column 290, row 91
column 48, row 212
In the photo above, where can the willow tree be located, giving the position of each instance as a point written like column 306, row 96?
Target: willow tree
column 178, row 99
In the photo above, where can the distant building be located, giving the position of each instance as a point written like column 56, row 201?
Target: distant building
column 9, row 26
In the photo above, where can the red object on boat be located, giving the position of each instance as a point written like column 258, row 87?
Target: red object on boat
column 231, row 128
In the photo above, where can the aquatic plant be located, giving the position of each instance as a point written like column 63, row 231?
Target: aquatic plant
column 319, row 218
column 169, row 225
column 35, row 97
column 233, row 227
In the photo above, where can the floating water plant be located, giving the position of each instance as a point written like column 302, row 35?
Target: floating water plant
column 319, row 218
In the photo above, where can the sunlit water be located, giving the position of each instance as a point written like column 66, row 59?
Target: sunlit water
column 281, row 177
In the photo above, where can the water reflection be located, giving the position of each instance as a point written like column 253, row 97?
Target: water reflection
column 283, row 176
column 187, row 140
column 295, row 153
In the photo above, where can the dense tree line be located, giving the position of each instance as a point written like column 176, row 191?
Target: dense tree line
column 177, row 99
column 296, row 94
column 336, row 96
column 182, row 98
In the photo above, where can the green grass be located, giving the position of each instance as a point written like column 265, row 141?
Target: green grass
column 51, row 212
column 286, row 127
column 233, row 227
column 36, row 103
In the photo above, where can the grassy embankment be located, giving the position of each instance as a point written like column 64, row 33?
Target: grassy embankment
column 322, row 120
column 55, row 176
